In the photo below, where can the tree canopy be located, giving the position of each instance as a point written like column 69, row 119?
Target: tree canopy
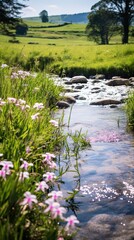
column 102, row 24
column 44, row 16
column 125, row 11
column 9, row 11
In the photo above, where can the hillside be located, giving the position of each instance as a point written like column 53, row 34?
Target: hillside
column 72, row 18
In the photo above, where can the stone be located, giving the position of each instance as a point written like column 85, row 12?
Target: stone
column 106, row 102
column 79, row 87
column 62, row 104
column 70, row 99
column 104, row 226
column 82, row 98
column 79, row 79
column 118, row 82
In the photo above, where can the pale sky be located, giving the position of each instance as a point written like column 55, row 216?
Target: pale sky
column 56, row 7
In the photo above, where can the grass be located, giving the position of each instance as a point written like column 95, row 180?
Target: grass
column 130, row 110
column 66, row 49
column 31, row 142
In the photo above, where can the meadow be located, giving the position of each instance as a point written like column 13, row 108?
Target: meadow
column 65, row 50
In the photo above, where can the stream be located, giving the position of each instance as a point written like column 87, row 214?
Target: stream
column 105, row 203
column 102, row 176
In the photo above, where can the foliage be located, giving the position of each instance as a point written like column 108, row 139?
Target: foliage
column 125, row 11
column 29, row 195
column 9, row 12
column 130, row 110
column 44, row 16
column 102, row 24
column 21, row 29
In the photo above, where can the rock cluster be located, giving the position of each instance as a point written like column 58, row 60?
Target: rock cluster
column 96, row 90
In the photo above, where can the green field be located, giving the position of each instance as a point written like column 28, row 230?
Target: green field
column 64, row 49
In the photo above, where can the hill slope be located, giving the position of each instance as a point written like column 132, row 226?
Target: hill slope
column 73, row 18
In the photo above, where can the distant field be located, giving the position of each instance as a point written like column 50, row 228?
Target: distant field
column 65, row 50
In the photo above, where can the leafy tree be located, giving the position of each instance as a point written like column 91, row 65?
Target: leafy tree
column 9, row 11
column 44, row 16
column 125, row 11
column 102, row 24
column 21, row 29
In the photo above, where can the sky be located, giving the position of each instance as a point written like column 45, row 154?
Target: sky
column 56, row 7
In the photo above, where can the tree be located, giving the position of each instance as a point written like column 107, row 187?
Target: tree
column 102, row 24
column 21, row 28
column 44, row 16
column 125, row 11
column 9, row 11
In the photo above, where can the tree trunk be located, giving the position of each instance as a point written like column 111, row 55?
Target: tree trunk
column 125, row 30
column 125, row 23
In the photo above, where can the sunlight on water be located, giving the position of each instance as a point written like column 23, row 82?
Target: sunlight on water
column 100, row 192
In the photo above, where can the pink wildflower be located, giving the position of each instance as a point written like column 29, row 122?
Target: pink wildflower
column 12, row 100
column 54, row 208
column 54, row 123
column 28, row 149
column 4, row 65
column 38, row 106
column 23, row 176
column 35, row 116
column 6, row 166
column 3, row 173
column 48, row 156
column 2, row 103
column 29, row 200
column 42, row 186
column 25, row 164
column 49, row 176
column 55, row 195
column 71, row 221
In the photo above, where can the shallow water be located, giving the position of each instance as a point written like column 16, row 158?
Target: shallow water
column 104, row 204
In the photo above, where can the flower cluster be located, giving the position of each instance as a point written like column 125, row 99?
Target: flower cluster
column 6, row 165
column 17, row 102
column 20, row 74
column 52, row 204
column 48, row 160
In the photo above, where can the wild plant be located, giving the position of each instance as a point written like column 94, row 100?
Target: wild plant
column 130, row 110
column 29, row 140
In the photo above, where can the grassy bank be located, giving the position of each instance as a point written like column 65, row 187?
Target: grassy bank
column 31, row 143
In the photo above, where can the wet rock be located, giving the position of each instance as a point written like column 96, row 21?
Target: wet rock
column 68, row 83
column 96, row 91
column 118, row 82
column 104, row 226
column 96, row 81
column 113, row 106
column 82, row 98
column 131, row 79
column 62, row 104
column 70, row 99
column 106, row 102
column 79, row 79
column 79, row 87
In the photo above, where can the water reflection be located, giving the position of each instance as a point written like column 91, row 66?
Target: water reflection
column 103, row 176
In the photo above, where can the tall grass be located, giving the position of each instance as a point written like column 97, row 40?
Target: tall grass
column 130, row 110
column 30, row 175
